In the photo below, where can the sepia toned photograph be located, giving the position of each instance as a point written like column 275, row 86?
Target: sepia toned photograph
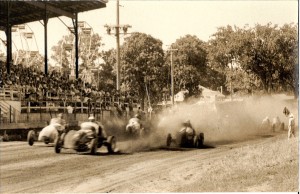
column 149, row 96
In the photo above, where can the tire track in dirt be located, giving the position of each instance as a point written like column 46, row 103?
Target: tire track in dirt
column 148, row 171
column 43, row 165
column 131, row 176
column 140, row 171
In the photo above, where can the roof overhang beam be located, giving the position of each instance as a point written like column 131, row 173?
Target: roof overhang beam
column 51, row 8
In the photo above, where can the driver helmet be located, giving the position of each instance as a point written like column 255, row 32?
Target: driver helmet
column 137, row 116
column 91, row 118
column 60, row 115
column 189, row 131
column 187, row 122
column 286, row 111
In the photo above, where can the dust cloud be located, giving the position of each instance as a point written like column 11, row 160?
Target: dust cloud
column 220, row 121
column 227, row 121
column 128, row 143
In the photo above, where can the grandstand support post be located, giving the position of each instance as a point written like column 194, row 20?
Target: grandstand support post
column 9, row 40
column 118, row 47
column 76, row 44
column 46, row 39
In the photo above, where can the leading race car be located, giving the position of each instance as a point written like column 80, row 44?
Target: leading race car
column 186, row 137
column 49, row 133
column 89, row 138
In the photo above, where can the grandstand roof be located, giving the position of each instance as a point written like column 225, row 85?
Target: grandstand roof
column 29, row 11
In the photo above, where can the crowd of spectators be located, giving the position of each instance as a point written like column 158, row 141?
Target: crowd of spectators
column 34, row 85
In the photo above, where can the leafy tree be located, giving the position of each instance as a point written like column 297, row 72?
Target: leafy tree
column 261, row 54
column 270, row 53
column 262, row 58
column 107, row 75
column 89, row 50
column 288, row 67
column 243, row 82
column 190, row 64
column 142, row 60
column 224, row 49
column 29, row 58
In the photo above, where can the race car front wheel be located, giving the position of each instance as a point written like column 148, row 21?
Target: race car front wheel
column 94, row 146
column 30, row 137
column 58, row 143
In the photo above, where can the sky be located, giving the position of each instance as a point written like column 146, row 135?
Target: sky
column 165, row 20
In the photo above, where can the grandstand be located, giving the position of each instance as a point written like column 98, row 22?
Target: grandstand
column 38, row 92
column 29, row 97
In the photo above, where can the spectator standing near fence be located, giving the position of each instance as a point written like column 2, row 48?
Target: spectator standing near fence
column 291, row 122
column 70, row 112
column 70, row 109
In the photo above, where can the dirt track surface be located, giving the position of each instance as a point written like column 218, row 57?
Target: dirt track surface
column 37, row 169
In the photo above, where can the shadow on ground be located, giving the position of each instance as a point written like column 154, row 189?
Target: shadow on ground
column 176, row 148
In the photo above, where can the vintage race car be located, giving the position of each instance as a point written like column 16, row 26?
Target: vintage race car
column 89, row 138
column 186, row 137
column 47, row 135
column 277, row 125
column 134, row 128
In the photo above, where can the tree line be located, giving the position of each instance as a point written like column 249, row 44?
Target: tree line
column 250, row 60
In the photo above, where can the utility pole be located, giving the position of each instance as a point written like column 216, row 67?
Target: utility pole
column 231, row 59
column 117, row 28
column 172, row 74
column 118, row 47
column 231, row 75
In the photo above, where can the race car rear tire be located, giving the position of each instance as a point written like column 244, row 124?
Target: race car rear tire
column 199, row 140
column 169, row 140
column 111, row 144
column 30, row 137
column 183, row 140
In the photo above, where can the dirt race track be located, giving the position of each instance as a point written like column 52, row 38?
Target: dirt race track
column 37, row 169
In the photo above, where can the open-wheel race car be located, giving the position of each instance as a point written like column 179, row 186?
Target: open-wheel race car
column 89, row 138
column 186, row 137
column 48, row 134
column 135, row 128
